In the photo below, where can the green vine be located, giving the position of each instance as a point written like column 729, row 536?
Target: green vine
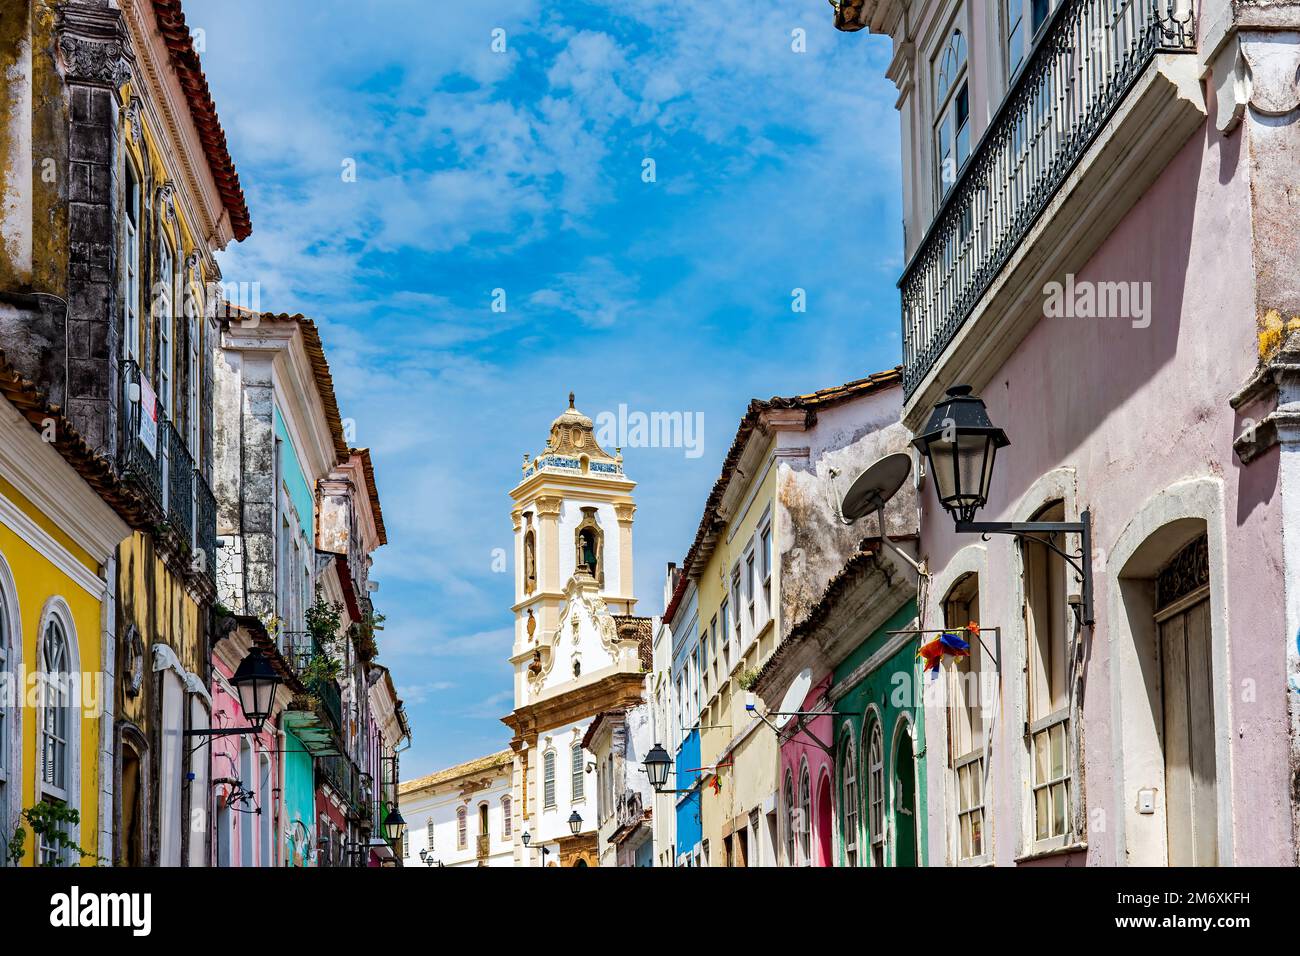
column 52, row 824
column 363, row 635
column 747, row 679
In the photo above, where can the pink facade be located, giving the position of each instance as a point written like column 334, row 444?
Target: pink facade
column 1134, row 424
column 802, row 758
column 245, row 818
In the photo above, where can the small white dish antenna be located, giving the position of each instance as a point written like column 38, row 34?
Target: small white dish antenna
column 872, row 489
column 794, row 697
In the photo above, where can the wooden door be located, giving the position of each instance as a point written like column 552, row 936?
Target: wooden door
column 1191, row 800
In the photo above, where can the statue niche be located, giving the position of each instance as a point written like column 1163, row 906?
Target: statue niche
column 530, row 562
column 589, row 546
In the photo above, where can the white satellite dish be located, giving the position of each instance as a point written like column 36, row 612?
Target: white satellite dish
column 876, row 485
column 872, row 489
column 795, row 696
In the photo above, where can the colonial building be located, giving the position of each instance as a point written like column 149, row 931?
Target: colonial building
column 62, row 515
column 579, row 649
column 762, row 556
column 1101, row 230
column 842, row 690
column 618, row 741
column 118, row 192
column 461, row 816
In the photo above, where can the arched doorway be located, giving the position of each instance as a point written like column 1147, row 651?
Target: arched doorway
column 1171, row 656
column 824, row 822
column 904, row 798
column 581, row 864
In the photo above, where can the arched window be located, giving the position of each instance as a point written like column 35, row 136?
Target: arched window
column 462, row 828
column 849, row 792
column 876, row 793
column 589, row 545
column 577, row 773
column 790, row 855
column 428, row 835
column 482, row 819
column 56, row 714
column 952, row 113
column 548, row 780
column 507, row 817
column 805, row 817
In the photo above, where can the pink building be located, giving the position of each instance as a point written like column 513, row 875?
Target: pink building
column 1101, row 231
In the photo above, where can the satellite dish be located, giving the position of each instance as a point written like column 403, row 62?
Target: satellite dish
column 876, row 485
column 795, row 696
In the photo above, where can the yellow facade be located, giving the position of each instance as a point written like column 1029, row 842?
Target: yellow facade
column 750, row 780
column 38, row 557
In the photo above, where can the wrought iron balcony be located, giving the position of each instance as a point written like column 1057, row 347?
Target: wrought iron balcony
column 1090, row 55
column 205, row 517
column 140, row 448
column 179, row 467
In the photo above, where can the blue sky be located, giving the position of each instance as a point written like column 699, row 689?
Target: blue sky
column 523, row 171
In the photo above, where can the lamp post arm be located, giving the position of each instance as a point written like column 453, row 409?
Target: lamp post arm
column 1081, row 560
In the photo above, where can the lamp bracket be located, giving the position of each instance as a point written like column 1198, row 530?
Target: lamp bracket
column 1080, row 561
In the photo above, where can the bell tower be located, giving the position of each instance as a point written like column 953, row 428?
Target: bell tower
column 572, row 515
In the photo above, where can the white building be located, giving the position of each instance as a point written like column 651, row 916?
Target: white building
column 574, row 657
column 460, row 816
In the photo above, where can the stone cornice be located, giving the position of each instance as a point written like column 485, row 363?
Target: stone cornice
column 617, row 691
column 94, row 46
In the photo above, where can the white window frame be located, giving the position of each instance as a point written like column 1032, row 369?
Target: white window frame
column 131, row 263
column 578, row 761
column 164, row 315
column 804, row 818
column 548, row 780
column 737, row 620
column 946, row 123
column 462, row 827
column 765, row 553
column 507, row 817
column 849, row 789
column 791, row 850
column 57, row 612
column 751, row 590
column 1019, row 15
column 11, row 730
column 724, row 624
column 876, row 816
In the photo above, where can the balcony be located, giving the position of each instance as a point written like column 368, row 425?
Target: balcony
column 205, row 516
column 178, row 466
column 140, row 449
column 316, row 722
column 343, row 777
column 1060, row 150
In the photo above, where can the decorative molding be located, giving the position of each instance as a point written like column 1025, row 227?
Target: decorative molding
column 94, row 45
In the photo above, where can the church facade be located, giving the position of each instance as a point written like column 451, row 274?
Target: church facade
column 579, row 651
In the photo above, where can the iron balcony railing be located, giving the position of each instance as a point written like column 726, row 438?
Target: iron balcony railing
column 298, row 649
column 1090, row 54
column 179, row 467
column 344, row 777
column 205, row 532
column 140, row 450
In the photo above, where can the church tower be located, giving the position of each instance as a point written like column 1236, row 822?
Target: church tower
column 579, row 648
column 572, row 515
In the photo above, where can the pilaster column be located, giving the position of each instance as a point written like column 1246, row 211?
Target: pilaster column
column 95, row 56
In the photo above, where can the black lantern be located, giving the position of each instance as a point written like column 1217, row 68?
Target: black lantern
column 394, row 823
column 526, row 838
column 657, row 766
column 255, row 681
column 575, row 822
column 961, row 444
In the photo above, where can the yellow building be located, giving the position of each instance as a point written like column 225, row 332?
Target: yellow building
column 61, row 519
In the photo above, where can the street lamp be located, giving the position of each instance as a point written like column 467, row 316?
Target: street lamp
column 526, row 838
column 657, row 765
column 960, row 444
column 575, row 822
column 255, row 681
column 394, row 823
